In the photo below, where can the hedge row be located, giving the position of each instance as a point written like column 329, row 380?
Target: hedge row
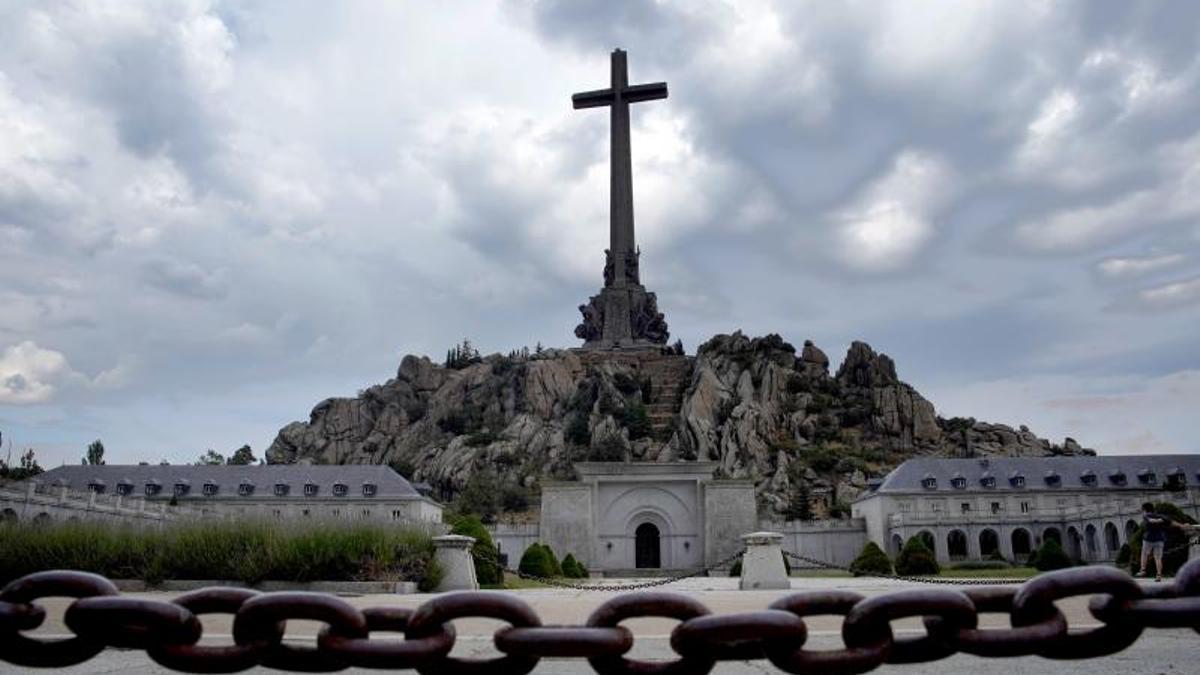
column 247, row 551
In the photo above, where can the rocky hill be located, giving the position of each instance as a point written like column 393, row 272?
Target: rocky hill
column 808, row 438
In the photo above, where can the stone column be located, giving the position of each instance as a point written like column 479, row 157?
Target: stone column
column 762, row 564
column 453, row 554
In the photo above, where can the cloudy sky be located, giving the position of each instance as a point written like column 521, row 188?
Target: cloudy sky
column 213, row 215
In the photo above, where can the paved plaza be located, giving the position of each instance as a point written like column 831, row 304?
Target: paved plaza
column 1158, row 651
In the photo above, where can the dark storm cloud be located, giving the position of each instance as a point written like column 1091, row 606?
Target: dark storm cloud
column 246, row 208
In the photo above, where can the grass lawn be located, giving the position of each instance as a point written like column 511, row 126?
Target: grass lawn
column 1002, row 573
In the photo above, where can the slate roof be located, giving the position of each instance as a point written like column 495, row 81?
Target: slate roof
column 387, row 482
column 1070, row 472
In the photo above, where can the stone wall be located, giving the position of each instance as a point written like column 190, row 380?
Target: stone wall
column 31, row 502
column 566, row 523
column 834, row 541
column 729, row 511
column 513, row 538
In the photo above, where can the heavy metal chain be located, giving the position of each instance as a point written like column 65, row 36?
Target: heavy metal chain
column 170, row 632
column 631, row 586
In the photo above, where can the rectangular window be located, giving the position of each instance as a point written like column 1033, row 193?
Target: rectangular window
column 395, row 515
column 966, row 507
column 935, row 506
column 1024, row 507
column 905, row 507
column 997, row 507
column 366, row 513
column 305, row 512
column 278, row 513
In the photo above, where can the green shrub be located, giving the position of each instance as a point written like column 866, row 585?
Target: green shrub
column 1123, row 556
column 247, row 551
column 916, row 559
column 431, row 577
column 554, row 564
column 577, row 431
column 483, row 551
column 636, row 420
column 872, row 560
column 611, row 448
column 573, row 569
column 538, row 561
column 1050, row 556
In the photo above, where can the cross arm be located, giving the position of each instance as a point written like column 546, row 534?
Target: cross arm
column 592, row 99
column 644, row 92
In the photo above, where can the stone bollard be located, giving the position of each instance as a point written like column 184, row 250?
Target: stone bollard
column 762, row 564
column 453, row 553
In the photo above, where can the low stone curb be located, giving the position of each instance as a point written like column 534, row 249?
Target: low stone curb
column 344, row 587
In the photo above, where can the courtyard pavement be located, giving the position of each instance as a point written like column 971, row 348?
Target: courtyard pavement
column 1158, row 651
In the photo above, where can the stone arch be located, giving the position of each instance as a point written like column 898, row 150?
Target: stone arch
column 1021, row 545
column 1112, row 538
column 1074, row 544
column 897, row 545
column 1131, row 526
column 1053, row 533
column 638, row 523
column 42, row 518
column 956, row 545
column 1091, row 545
column 989, row 542
column 648, row 546
column 928, row 539
column 8, row 516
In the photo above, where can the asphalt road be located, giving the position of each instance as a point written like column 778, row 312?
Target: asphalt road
column 1157, row 652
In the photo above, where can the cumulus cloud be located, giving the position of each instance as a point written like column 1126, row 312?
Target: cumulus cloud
column 30, row 374
column 269, row 204
column 892, row 221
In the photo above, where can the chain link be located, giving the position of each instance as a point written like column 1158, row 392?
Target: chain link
column 101, row 617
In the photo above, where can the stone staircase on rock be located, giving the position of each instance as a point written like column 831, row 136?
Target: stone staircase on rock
column 669, row 376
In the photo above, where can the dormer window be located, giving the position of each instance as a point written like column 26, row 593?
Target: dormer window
column 153, row 487
column 958, row 482
column 1118, row 478
column 281, row 489
column 1016, row 480
column 124, row 488
column 210, row 488
column 987, row 480
column 311, row 489
column 1177, row 479
column 1088, row 478
column 1147, row 477
column 182, row 487
column 929, row 482
column 96, row 485
column 1053, row 479
column 246, row 489
column 368, row 489
column 340, row 489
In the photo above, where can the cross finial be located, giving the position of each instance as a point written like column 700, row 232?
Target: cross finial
column 622, row 247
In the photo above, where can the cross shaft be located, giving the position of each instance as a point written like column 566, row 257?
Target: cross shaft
column 618, row 97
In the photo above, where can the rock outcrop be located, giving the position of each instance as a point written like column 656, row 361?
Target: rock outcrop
column 751, row 404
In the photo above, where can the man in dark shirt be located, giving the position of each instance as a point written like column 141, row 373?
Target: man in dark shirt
column 1154, row 536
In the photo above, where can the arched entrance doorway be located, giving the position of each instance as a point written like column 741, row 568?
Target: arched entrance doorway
column 1021, row 547
column 1112, row 539
column 646, row 552
column 9, row 516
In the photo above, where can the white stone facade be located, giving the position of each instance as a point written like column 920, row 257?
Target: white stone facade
column 971, row 509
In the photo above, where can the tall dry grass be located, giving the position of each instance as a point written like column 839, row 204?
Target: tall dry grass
column 246, row 551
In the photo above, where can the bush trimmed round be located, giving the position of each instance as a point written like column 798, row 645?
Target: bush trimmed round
column 872, row 560
column 916, row 559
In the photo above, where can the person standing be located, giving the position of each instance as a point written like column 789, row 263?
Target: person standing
column 1154, row 538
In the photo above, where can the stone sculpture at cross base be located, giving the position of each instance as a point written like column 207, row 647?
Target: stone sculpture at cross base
column 623, row 314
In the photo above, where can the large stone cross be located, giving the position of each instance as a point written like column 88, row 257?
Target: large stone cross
column 622, row 248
